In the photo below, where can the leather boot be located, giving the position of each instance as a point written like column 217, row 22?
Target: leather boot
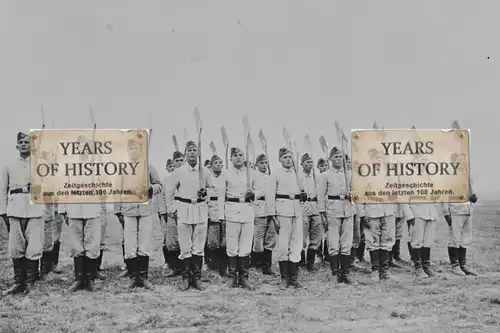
column 144, row 272
column 55, row 257
column 256, row 260
column 31, row 267
column 354, row 255
column 345, row 270
column 133, row 269
column 138, row 277
column 425, row 254
column 186, row 274
column 335, row 267
column 233, row 272
column 165, row 254
column 98, row 262
column 302, row 258
column 208, row 258
column 223, row 261
column 267, row 260
column 45, row 265
column 326, row 256
column 90, row 273
column 284, row 274
column 79, row 283
column 385, row 273
column 410, row 251
column 392, row 262
column 375, row 262
column 19, row 286
column 417, row 262
column 462, row 259
column 243, row 273
column 360, row 252
column 293, row 269
column 173, row 264
column 311, row 256
column 396, row 254
column 196, row 264
column 453, row 255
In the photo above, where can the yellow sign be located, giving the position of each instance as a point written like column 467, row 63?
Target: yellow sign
column 410, row 166
column 89, row 166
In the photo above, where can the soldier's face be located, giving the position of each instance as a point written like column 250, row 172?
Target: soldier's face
column 23, row 146
column 307, row 165
column 191, row 154
column 262, row 166
column 178, row 162
column 134, row 152
column 337, row 160
column 170, row 168
column 237, row 159
column 217, row 165
column 286, row 160
column 323, row 167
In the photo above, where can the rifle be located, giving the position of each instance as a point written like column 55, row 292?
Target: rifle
column 225, row 141
column 324, row 148
column 288, row 141
column 199, row 128
column 343, row 144
column 263, row 143
column 212, row 148
column 308, row 145
column 176, row 144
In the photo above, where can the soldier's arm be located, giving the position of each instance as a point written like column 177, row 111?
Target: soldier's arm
column 261, row 192
column 209, row 179
column 161, row 201
column 272, row 184
column 170, row 191
column 221, row 197
column 4, row 190
column 155, row 181
column 322, row 191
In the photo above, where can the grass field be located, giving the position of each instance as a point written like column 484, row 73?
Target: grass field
column 441, row 304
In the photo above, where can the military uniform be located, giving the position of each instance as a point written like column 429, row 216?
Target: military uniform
column 47, row 260
column 313, row 227
column 334, row 198
column 25, row 219
column 56, row 239
column 215, row 247
column 421, row 219
column 235, row 207
column 138, row 229
column 264, row 234
column 283, row 197
column 358, row 238
column 323, row 254
column 192, row 217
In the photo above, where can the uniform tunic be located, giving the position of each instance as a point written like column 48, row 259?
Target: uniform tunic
column 423, row 230
column 288, row 213
column 138, row 221
column 382, row 232
column 339, row 213
column 264, row 234
column 192, row 217
column 216, row 233
column 313, row 227
column 26, row 223
column 239, row 216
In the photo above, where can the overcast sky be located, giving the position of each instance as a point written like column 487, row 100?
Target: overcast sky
column 302, row 64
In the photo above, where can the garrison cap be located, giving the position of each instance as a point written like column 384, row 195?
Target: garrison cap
column 190, row 144
column 235, row 150
column 169, row 162
column 177, row 154
column 334, row 152
column 321, row 161
column 283, row 151
column 215, row 158
column 261, row 157
column 21, row 135
column 207, row 163
column 305, row 157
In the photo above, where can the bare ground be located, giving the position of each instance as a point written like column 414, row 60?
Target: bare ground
column 442, row 304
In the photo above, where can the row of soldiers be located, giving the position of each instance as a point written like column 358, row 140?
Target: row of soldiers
column 234, row 218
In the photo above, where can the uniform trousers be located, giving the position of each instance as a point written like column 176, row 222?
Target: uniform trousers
column 84, row 237
column 192, row 239
column 26, row 238
column 216, row 235
column 239, row 237
column 339, row 235
column 460, row 231
column 400, row 224
column 169, row 231
column 290, row 238
column 138, row 236
column 48, row 232
column 264, row 234
column 57, row 226
column 422, row 233
column 312, row 232
column 381, row 234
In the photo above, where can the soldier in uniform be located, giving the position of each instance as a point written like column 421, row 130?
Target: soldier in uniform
column 56, row 236
column 47, row 259
column 25, row 220
column 323, row 253
column 192, row 213
column 312, row 224
column 169, row 165
column 138, row 222
column 283, row 196
column 168, row 216
column 334, row 198
column 215, row 248
column 236, row 209
column 459, row 220
column 264, row 234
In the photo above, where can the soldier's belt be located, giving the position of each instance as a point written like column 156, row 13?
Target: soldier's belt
column 240, row 200
column 25, row 189
column 213, row 198
column 312, row 199
column 339, row 197
column 189, row 201
column 287, row 196
column 261, row 198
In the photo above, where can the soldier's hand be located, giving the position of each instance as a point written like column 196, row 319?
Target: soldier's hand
column 276, row 223
column 473, row 198
column 303, row 196
column 202, row 193
column 448, row 219
column 65, row 218
column 365, row 221
column 250, row 196
column 411, row 222
column 150, row 192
